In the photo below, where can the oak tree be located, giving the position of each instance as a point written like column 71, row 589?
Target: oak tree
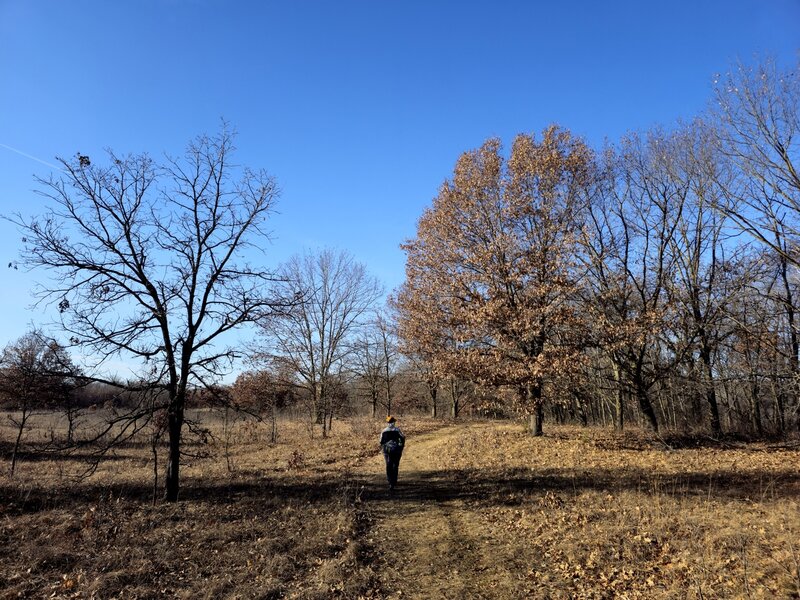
column 491, row 274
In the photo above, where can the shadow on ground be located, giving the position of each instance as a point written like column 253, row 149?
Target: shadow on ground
column 507, row 488
column 485, row 487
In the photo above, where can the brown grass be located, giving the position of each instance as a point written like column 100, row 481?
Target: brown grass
column 483, row 511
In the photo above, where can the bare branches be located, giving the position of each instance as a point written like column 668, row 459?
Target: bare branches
column 149, row 262
column 315, row 339
column 758, row 124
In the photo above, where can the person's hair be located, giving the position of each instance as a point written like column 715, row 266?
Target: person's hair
column 390, row 419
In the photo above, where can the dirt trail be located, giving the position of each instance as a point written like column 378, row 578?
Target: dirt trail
column 427, row 538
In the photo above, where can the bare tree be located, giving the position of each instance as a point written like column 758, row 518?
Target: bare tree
column 629, row 234
column 387, row 343
column 759, row 353
column 316, row 340
column 758, row 116
column 704, row 283
column 758, row 130
column 35, row 374
column 148, row 264
column 375, row 360
column 368, row 367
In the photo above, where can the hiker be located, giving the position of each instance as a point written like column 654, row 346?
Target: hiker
column 392, row 442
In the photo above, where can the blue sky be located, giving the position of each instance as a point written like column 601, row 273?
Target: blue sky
column 358, row 108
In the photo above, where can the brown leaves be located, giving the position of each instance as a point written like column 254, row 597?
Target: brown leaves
column 490, row 280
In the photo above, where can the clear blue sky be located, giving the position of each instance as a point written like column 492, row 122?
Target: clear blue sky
column 358, row 108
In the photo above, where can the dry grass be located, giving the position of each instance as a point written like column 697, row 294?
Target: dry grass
column 483, row 511
column 260, row 521
column 584, row 514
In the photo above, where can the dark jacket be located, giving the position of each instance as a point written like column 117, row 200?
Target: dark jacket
column 392, row 439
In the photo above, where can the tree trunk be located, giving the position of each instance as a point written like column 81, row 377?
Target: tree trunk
column 533, row 393
column 319, row 415
column 619, row 415
column 388, row 382
column 755, row 406
column 71, row 414
column 581, row 402
column 794, row 340
column 434, row 392
column 536, row 422
column 18, row 442
column 174, row 426
column 711, row 393
column 318, row 408
column 781, row 410
column 646, row 406
column 324, row 423
column 455, row 407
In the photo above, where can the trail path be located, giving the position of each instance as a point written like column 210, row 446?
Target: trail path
column 429, row 539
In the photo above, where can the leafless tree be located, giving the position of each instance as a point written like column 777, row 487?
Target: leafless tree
column 758, row 117
column 316, row 340
column 758, row 130
column 368, row 367
column 387, row 343
column 36, row 373
column 704, row 284
column 630, row 229
column 150, row 264
column 375, row 361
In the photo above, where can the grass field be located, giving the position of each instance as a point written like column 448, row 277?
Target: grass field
column 482, row 511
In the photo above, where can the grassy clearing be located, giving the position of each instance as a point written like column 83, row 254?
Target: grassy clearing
column 483, row 511
column 267, row 521
column 585, row 514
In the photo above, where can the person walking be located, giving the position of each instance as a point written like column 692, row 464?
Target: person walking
column 392, row 443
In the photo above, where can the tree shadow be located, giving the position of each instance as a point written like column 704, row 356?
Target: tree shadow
column 58, row 456
column 511, row 487
column 475, row 486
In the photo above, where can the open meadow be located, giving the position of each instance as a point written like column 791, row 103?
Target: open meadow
column 483, row 510
column 558, row 243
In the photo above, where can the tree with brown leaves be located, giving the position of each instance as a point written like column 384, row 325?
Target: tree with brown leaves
column 490, row 276
column 262, row 394
column 36, row 373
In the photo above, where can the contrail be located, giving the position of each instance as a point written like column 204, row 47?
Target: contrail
column 39, row 160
